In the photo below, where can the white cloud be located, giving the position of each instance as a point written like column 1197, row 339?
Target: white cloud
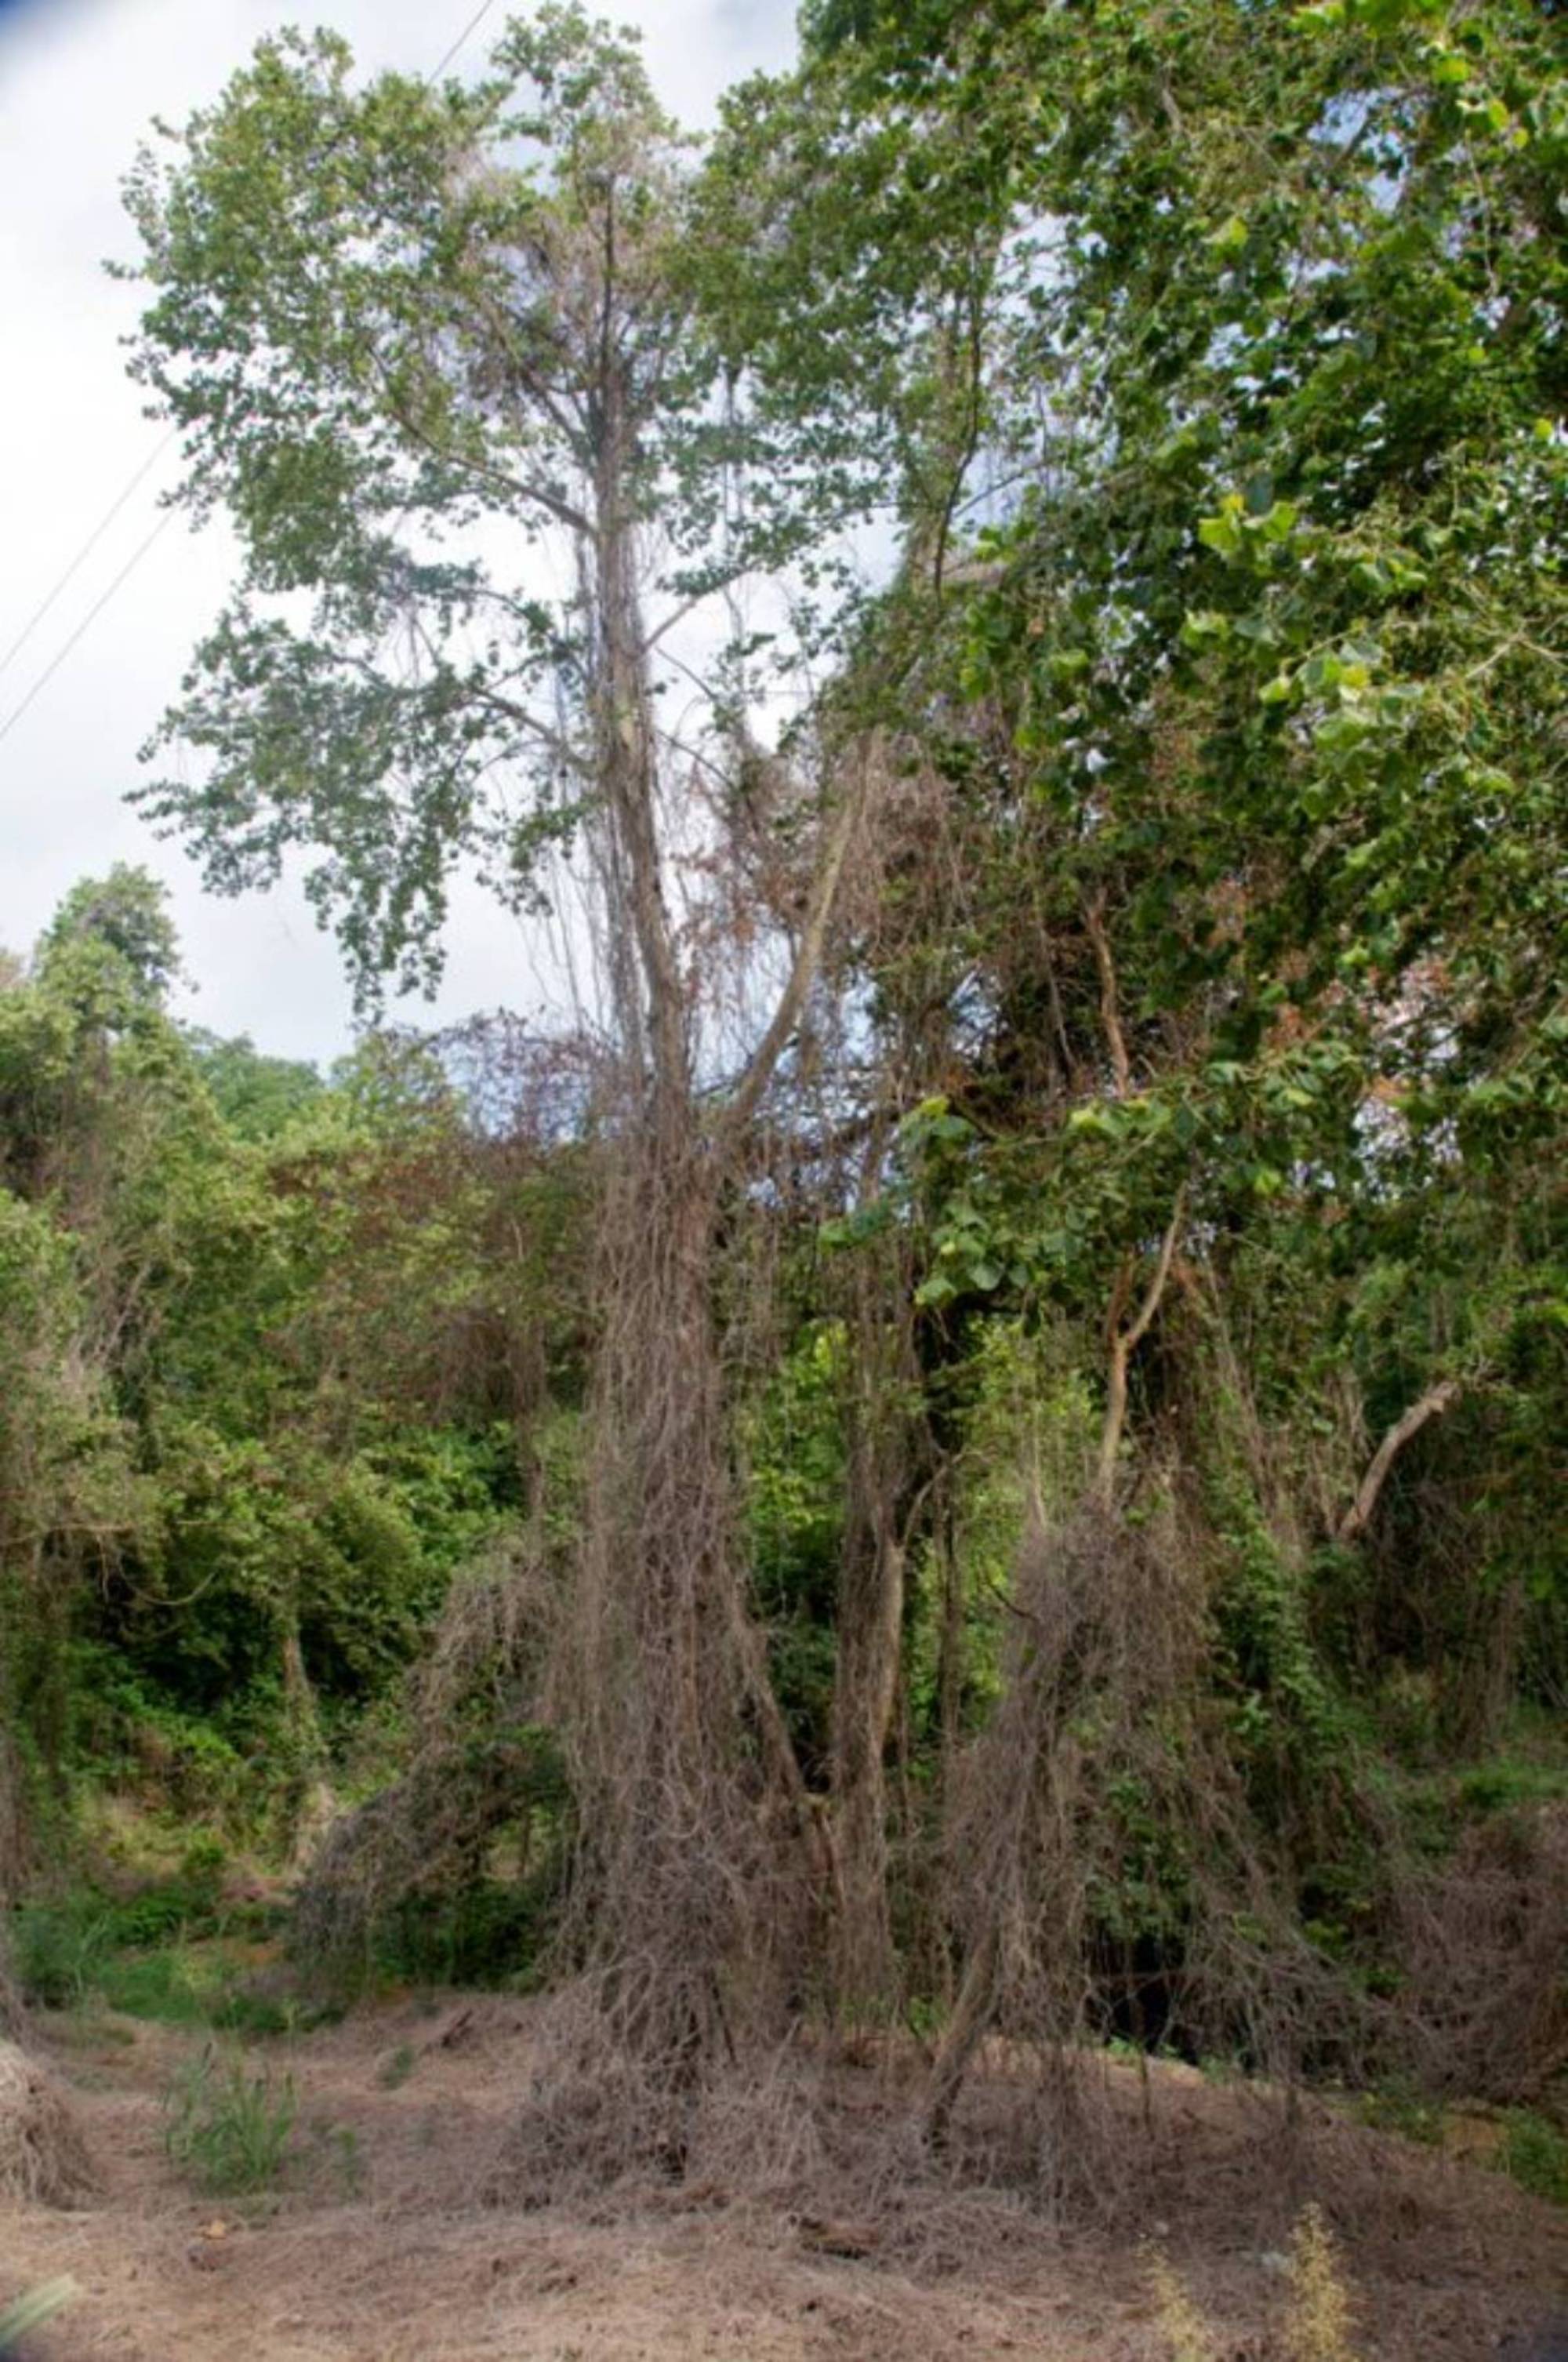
column 80, row 81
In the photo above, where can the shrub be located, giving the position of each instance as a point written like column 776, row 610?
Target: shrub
column 59, row 1949
column 1186, row 2336
column 1535, row 2154
column 43, row 2159
column 1318, row 2325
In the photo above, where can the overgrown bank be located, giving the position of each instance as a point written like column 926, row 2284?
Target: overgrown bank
column 975, row 1451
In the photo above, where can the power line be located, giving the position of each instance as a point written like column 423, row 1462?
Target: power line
column 90, row 618
column 475, row 21
column 88, row 546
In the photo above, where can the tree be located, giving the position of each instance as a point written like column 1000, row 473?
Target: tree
column 259, row 1096
column 69, row 1501
column 126, row 916
column 258, row 1333
column 388, row 319
column 1175, row 1065
column 1243, row 726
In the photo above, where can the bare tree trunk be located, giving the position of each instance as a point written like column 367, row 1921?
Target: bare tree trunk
column 967, row 2029
column 702, row 1844
column 870, row 1632
column 1109, row 999
column 10, row 1885
column 311, row 1802
column 887, row 1487
column 950, row 1646
column 12, row 1833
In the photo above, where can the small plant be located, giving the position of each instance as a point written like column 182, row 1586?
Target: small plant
column 1535, row 2154
column 1395, row 2107
column 174, row 1983
column 397, row 2069
column 59, row 1950
column 1318, row 2325
column 228, row 2130
column 1186, row 2334
column 1216, row 2068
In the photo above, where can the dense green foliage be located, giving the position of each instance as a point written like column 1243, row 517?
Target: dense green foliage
column 265, row 1387
column 1247, row 700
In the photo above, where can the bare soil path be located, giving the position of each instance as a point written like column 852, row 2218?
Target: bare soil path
column 383, row 2248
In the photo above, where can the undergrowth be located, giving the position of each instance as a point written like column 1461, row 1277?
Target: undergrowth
column 234, row 2131
column 1531, row 2147
column 1318, row 2325
column 1185, row 2333
column 1317, row 2322
column 1534, row 2153
column 171, row 1950
column 491, row 1933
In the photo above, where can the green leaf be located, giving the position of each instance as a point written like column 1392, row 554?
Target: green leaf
column 1222, row 533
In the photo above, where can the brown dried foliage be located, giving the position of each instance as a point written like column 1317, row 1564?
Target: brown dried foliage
column 688, row 1894
column 472, row 1774
column 43, row 2158
column 1101, row 1766
column 1485, row 2010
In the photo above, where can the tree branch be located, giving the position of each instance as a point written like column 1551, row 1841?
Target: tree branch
column 1151, row 1305
column 743, row 1104
column 527, row 375
column 1429, row 1405
column 1109, row 1008
column 562, row 748
column 678, row 614
column 554, row 503
column 1124, row 1344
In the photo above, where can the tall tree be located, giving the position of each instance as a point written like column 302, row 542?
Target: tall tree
column 394, row 322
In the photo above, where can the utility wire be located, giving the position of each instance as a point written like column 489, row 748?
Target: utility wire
column 475, row 21
column 90, row 618
column 88, row 546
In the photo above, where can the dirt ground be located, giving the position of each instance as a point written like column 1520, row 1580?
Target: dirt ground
column 387, row 2248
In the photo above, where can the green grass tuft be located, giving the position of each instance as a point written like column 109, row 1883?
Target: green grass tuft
column 1535, row 2154
column 229, row 2130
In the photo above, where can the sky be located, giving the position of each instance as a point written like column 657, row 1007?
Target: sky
column 80, row 81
